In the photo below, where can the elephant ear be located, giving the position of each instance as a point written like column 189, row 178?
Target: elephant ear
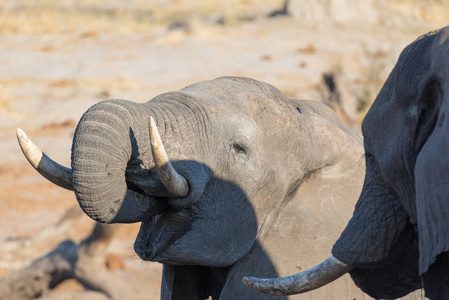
column 312, row 216
column 432, row 167
column 326, row 113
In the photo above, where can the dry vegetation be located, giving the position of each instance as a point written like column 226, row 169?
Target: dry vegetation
column 95, row 17
column 60, row 57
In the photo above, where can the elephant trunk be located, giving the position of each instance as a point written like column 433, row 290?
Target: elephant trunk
column 101, row 150
column 380, row 242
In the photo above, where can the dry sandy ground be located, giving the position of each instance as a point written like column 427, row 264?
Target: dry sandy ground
column 56, row 62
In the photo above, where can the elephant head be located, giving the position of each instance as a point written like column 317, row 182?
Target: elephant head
column 398, row 236
column 228, row 189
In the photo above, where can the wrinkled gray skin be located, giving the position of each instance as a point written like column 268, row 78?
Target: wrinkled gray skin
column 267, row 176
column 400, row 228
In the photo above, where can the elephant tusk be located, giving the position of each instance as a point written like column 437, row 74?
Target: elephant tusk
column 175, row 183
column 47, row 167
column 318, row 276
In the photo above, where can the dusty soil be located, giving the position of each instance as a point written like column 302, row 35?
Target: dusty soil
column 56, row 60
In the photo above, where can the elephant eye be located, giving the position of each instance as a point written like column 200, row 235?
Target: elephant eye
column 370, row 158
column 239, row 148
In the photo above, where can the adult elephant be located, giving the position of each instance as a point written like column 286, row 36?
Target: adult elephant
column 399, row 233
column 256, row 183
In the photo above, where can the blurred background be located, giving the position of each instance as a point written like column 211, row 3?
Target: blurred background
column 59, row 57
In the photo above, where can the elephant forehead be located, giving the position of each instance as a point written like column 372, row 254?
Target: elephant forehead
column 244, row 104
column 238, row 91
column 246, row 113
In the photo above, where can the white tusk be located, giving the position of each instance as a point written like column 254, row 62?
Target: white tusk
column 175, row 183
column 47, row 167
column 322, row 274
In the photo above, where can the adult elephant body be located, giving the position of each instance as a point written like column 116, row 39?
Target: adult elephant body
column 398, row 237
column 270, row 183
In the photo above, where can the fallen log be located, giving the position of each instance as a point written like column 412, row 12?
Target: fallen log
column 83, row 262
column 19, row 252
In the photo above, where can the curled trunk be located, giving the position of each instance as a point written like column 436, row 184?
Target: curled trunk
column 112, row 171
column 101, row 149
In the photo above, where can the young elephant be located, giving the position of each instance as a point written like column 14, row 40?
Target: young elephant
column 399, row 234
column 246, row 182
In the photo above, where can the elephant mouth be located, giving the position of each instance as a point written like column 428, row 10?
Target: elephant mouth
column 160, row 232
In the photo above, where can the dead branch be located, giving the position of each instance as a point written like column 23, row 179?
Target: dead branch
column 83, row 262
column 18, row 253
